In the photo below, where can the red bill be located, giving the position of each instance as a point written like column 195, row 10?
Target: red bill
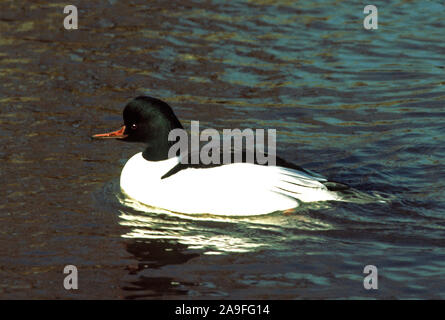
column 118, row 134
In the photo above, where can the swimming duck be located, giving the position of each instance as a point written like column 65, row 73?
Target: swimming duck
column 232, row 189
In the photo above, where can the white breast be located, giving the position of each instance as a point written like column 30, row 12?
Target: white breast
column 234, row 189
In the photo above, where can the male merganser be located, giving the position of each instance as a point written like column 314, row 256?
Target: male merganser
column 235, row 189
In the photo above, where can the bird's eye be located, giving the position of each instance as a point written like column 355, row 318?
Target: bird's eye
column 134, row 126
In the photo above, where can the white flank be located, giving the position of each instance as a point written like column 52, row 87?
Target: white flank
column 238, row 189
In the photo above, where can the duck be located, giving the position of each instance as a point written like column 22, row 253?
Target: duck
column 157, row 179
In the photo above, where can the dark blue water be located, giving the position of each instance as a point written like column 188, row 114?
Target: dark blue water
column 364, row 107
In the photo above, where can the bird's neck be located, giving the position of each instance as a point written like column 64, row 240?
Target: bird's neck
column 157, row 152
column 158, row 147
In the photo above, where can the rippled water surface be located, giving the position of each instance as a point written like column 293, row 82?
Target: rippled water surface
column 362, row 107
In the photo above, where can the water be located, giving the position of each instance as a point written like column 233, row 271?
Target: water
column 361, row 107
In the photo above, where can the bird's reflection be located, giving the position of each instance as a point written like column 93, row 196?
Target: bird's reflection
column 154, row 254
column 158, row 240
column 158, row 253
column 212, row 235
